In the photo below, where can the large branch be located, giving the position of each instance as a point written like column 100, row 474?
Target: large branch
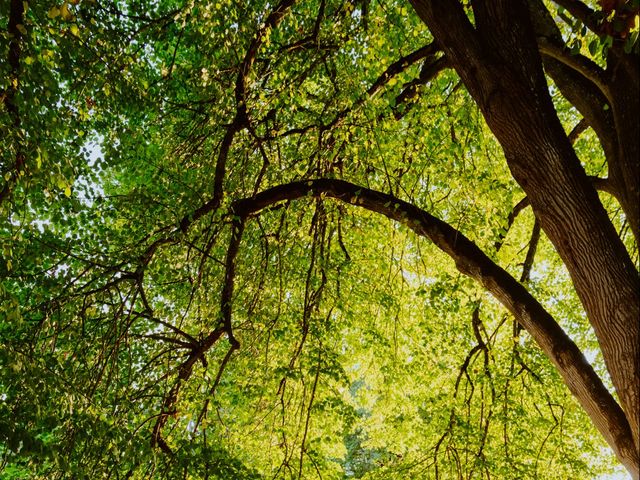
column 578, row 89
column 577, row 373
column 581, row 64
column 589, row 88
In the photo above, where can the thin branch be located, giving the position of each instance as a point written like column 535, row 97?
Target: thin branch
column 429, row 71
column 230, row 272
column 531, row 252
column 582, row 12
column 400, row 65
column 578, row 130
column 520, row 206
column 600, row 184
column 241, row 118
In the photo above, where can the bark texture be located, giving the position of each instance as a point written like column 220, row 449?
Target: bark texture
column 499, row 62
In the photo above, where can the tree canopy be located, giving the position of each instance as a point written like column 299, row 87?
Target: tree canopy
column 319, row 239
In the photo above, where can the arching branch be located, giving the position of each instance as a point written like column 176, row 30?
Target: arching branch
column 577, row 373
column 581, row 64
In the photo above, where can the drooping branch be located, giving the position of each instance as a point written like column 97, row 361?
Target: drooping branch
column 241, row 119
column 577, row 373
column 229, row 279
column 198, row 350
column 531, row 252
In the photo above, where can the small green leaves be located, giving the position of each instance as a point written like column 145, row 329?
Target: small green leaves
column 359, row 345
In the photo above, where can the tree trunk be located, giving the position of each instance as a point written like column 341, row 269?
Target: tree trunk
column 498, row 61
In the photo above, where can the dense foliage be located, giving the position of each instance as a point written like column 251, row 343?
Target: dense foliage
column 152, row 328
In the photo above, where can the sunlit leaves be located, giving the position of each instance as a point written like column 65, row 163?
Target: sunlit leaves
column 358, row 356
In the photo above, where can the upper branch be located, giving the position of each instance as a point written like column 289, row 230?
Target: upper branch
column 272, row 21
column 241, row 119
column 582, row 12
column 581, row 64
column 579, row 89
column 400, row 65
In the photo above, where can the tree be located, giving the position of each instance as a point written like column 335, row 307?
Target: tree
column 200, row 278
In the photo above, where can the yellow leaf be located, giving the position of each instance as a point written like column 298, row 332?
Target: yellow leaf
column 21, row 28
column 64, row 11
column 67, row 191
column 54, row 12
column 74, row 30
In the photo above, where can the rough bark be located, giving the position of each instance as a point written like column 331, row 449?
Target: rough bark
column 499, row 63
column 575, row 87
column 610, row 104
column 624, row 168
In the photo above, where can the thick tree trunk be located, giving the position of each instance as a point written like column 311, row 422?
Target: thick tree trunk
column 499, row 63
column 608, row 99
column 624, row 171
